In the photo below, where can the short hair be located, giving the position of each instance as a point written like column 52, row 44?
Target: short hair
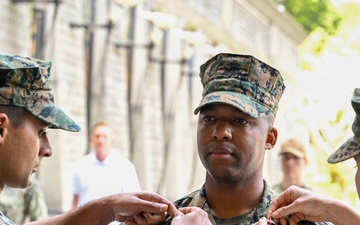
column 100, row 124
column 15, row 114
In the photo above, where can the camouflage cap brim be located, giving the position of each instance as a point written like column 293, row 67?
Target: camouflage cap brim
column 346, row 151
column 239, row 101
column 54, row 117
column 351, row 147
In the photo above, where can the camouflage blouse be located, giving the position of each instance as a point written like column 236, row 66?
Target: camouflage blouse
column 198, row 199
column 4, row 220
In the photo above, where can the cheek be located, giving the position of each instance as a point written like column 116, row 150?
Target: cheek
column 200, row 134
column 29, row 148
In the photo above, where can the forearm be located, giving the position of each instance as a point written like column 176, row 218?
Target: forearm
column 89, row 214
column 341, row 213
column 117, row 207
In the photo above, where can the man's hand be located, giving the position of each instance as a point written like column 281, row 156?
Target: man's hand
column 192, row 216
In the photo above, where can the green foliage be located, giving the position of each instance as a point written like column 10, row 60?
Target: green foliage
column 331, row 58
column 312, row 14
column 312, row 48
column 343, row 41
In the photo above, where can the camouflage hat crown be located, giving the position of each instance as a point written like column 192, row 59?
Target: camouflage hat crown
column 351, row 147
column 243, row 82
column 25, row 82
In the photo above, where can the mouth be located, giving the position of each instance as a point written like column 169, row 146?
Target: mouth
column 35, row 169
column 221, row 153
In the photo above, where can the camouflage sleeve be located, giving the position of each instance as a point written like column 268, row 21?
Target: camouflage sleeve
column 183, row 202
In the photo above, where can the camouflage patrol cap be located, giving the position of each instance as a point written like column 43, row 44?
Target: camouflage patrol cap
column 25, row 82
column 242, row 81
column 351, row 147
column 294, row 147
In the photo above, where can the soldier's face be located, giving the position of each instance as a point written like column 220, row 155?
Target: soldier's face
column 292, row 166
column 231, row 144
column 21, row 150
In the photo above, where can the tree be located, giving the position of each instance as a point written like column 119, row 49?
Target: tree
column 330, row 64
column 312, row 14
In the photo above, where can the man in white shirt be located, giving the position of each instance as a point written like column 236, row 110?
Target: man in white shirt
column 104, row 171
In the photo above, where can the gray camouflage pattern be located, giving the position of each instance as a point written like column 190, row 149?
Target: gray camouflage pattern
column 351, row 147
column 242, row 81
column 25, row 82
column 198, row 199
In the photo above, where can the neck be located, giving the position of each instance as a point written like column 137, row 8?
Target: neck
column 233, row 200
column 101, row 155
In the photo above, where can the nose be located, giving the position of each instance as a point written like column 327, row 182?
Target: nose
column 222, row 131
column 102, row 139
column 45, row 147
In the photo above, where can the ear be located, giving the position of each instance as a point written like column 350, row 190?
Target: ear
column 4, row 123
column 271, row 138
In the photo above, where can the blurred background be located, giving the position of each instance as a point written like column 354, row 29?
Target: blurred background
column 135, row 64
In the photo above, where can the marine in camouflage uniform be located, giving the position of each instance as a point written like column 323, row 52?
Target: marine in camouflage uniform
column 25, row 82
column 253, row 87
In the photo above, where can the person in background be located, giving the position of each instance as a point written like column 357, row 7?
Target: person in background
column 293, row 161
column 302, row 204
column 104, row 171
column 235, row 129
column 27, row 110
column 24, row 205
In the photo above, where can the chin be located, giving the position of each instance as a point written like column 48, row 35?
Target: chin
column 26, row 183
column 20, row 185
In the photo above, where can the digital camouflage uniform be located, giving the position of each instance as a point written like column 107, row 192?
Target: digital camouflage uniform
column 23, row 205
column 198, row 199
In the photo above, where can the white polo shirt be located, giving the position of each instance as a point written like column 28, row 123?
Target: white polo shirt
column 93, row 179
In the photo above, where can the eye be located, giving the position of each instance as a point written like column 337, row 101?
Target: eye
column 241, row 121
column 43, row 132
column 208, row 118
